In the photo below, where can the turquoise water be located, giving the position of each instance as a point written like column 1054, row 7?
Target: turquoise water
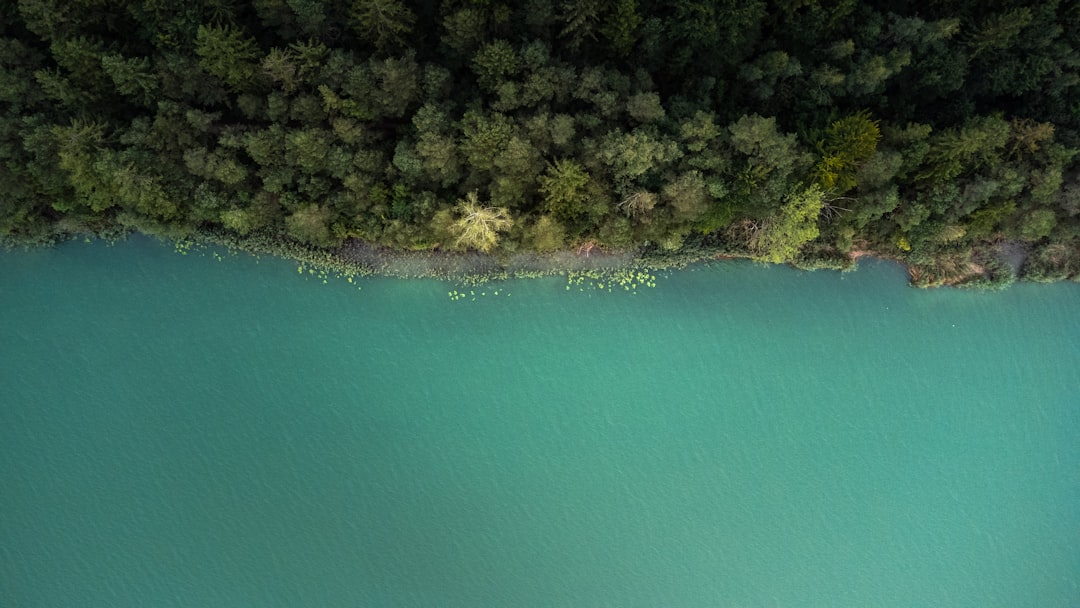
column 183, row 431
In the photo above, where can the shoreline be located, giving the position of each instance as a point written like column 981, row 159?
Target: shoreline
column 993, row 266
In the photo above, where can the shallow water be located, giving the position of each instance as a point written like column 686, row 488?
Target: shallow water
column 183, row 431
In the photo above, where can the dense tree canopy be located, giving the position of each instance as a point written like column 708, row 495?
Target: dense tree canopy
column 785, row 128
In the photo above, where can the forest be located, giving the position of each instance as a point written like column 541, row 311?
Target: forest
column 938, row 132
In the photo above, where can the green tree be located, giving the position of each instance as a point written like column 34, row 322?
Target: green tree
column 979, row 142
column 242, row 221
column 485, row 136
column 494, row 63
column 1037, row 224
column 581, row 21
column 308, row 149
column 765, row 74
column 869, row 75
column 783, row 234
column 465, row 30
column 547, row 234
column 707, row 36
column 133, row 77
column 311, row 224
column 631, row 155
column 311, row 15
column 701, row 138
column 438, row 152
column 645, row 107
column 280, row 65
column 620, row 28
column 440, row 158
column 397, row 85
column 687, row 195
column 998, row 31
column 516, row 170
column 77, row 146
column 769, row 161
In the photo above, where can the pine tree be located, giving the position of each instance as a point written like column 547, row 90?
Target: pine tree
column 563, row 185
column 848, row 143
column 382, row 23
column 229, row 54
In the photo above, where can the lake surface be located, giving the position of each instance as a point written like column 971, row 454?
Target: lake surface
column 216, row 430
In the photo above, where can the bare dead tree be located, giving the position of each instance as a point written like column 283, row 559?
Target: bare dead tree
column 830, row 211
column 637, row 204
column 586, row 248
column 748, row 232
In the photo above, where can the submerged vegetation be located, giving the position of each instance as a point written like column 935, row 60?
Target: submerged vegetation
column 479, row 137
